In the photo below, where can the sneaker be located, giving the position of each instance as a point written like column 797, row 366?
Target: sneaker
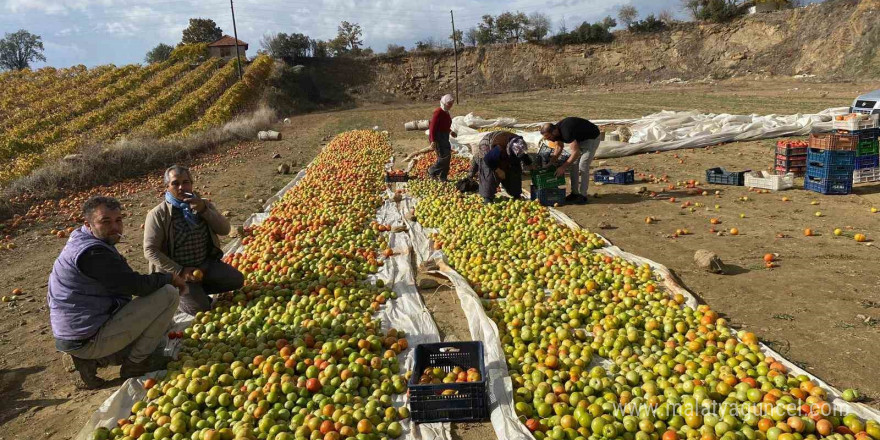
column 575, row 199
column 131, row 369
column 85, row 373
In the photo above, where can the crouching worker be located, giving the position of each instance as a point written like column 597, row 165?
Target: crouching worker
column 94, row 319
column 181, row 237
column 499, row 160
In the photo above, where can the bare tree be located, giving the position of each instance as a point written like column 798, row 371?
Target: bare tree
column 666, row 17
column 471, row 36
column 627, row 14
column 538, row 27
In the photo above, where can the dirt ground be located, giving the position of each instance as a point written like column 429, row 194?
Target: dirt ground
column 820, row 308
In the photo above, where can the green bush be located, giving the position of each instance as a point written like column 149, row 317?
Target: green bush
column 648, row 25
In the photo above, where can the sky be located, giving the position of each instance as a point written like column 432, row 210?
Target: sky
column 95, row 32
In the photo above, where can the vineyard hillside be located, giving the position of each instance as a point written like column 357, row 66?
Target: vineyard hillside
column 49, row 113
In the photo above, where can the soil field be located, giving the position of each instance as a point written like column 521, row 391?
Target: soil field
column 820, row 307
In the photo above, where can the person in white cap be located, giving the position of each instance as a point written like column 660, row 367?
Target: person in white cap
column 439, row 131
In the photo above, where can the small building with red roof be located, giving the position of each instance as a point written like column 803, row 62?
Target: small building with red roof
column 225, row 48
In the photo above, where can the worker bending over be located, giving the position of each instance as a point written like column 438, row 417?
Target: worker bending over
column 499, row 159
column 582, row 138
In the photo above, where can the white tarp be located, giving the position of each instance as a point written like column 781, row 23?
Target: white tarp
column 503, row 415
column 407, row 313
column 666, row 130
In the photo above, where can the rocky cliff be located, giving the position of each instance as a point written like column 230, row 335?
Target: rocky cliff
column 834, row 39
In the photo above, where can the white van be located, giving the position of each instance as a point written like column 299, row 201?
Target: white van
column 868, row 104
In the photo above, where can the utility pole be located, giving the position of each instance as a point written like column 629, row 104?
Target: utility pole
column 454, row 51
column 235, row 33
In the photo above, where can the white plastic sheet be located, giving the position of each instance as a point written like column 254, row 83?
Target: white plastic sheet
column 667, row 130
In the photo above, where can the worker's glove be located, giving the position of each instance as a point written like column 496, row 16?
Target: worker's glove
column 434, row 145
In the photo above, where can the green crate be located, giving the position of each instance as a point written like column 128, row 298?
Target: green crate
column 546, row 178
column 867, row 147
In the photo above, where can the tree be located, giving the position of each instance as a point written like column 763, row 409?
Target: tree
column 286, row 47
column 395, row 50
column 627, row 14
column 649, row 24
column 457, row 37
column 470, row 37
column 538, row 27
column 692, row 7
column 18, row 49
column 350, row 35
column 666, row 17
column 608, row 23
column 486, row 31
column 158, row 54
column 201, row 30
column 319, row 48
column 511, row 26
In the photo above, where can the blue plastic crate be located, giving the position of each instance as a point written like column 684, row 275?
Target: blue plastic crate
column 621, row 178
column 547, row 196
column 831, row 157
column 449, row 402
column 867, row 162
column 828, row 186
column 834, row 172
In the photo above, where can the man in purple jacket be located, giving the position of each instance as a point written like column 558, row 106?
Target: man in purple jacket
column 94, row 318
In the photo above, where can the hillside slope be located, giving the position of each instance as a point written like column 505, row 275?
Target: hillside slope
column 834, row 39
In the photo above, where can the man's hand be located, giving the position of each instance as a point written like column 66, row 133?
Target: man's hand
column 500, row 174
column 189, row 274
column 560, row 170
column 178, row 281
column 197, row 203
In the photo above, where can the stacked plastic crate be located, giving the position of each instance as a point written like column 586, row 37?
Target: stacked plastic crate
column 791, row 157
column 865, row 130
column 830, row 163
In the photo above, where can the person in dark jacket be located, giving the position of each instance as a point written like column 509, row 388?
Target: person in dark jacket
column 94, row 318
column 439, row 131
column 582, row 138
column 499, row 159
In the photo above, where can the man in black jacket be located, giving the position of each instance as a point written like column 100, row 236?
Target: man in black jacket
column 582, row 138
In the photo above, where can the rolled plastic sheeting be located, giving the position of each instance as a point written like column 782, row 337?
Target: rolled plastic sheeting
column 269, row 135
column 416, row 125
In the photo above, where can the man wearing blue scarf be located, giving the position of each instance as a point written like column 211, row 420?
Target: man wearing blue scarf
column 181, row 237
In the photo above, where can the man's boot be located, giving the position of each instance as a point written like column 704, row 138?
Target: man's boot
column 154, row 362
column 84, row 371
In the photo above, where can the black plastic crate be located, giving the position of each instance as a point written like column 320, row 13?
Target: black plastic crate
column 867, row 162
column 465, row 401
column 620, row 178
column 828, row 186
column 547, row 196
column 791, row 161
column 719, row 176
column 392, row 178
column 791, row 148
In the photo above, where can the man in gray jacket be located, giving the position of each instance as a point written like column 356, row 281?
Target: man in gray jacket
column 181, row 237
column 102, row 312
